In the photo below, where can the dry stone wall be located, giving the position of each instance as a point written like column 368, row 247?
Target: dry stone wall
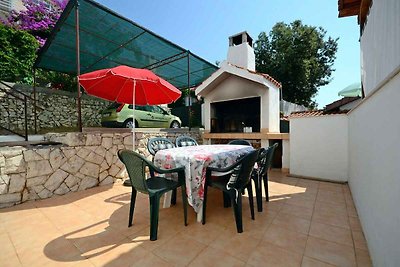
column 81, row 161
column 55, row 109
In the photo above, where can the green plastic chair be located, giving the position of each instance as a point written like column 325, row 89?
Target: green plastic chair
column 260, row 175
column 183, row 140
column 240, row 142
column 154, row 186
column 233, row 185
column 158, row 143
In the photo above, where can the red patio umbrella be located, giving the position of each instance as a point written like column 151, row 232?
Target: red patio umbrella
column 129, row 85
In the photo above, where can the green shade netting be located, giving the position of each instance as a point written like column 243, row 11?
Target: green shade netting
column 108, row 40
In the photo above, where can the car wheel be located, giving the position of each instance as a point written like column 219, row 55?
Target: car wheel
column 175, row 124
column 129, row 124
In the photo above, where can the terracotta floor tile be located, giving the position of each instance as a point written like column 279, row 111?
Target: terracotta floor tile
column 302, row 212
column 330, row 252
column 274, row 204
column 331, row 186
column 258, row 226
column 213, row 257
column 307, row 194
column 90, row 228
column 359, row 240
column 308, row 183
column 271, row 255
column 8, row 255
column 310, row 262
column 123, row 253
column 331, row 219
column 238, row 245
column 363, row 258
column 292, row 223
column 151, row 260
column 351, row 211
column 288, row 180
column 336, row 198
column 331, row 233
column 331, row 208
column 203, row 233
column 172, row 251
column 355, row 224
column 280, row 187
column 284, row 238
column 299, row 201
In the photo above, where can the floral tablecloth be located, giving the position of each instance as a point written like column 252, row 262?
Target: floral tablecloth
column 196, row 159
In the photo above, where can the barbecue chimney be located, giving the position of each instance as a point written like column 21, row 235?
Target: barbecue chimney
column 241, row 52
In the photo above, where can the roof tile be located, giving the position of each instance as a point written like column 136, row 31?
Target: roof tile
column 315, row 113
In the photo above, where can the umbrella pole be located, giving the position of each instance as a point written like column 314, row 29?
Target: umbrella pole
column 133, row 115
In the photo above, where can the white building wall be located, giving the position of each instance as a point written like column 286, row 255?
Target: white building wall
column 350, row 105
column 285, row 154
column 374, row 131
column 242, row 56
column 380, row 43
column 274, row 109
column 319, row 147
column 238, row 88
column 374, row 153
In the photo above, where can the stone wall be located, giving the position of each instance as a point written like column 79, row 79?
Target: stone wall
column 82, row 161
column 55, row 109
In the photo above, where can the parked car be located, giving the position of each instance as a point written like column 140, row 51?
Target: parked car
column 121, row 115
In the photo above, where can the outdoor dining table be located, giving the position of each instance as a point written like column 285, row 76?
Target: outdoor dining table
column 196, row 159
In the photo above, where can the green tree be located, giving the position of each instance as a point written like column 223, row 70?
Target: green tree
column 17, row 54
column 299, row 57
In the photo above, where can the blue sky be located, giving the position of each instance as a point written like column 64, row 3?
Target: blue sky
column 203, row 27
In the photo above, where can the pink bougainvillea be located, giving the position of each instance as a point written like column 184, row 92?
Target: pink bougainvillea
column 38, row 18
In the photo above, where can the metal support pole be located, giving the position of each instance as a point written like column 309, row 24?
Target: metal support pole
column 78, row 67
column 26, row 118
column 188, row 88
column 34, row 101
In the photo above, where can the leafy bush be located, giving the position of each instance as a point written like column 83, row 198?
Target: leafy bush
column 17, row 55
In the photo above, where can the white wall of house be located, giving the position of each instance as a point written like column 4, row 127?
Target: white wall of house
column 319, row 147
column 274, row 109
column 374, row 134
column 235, row 87
column 285, row 154
column 350, row 105
column 374, row 153
column 380, row 43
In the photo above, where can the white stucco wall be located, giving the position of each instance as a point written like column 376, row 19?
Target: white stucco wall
column 238, row 88
column 319, row 147
column 285, row 154
column 374, row 154
column 350, row 105
column 274, row 109
column 242, row 56
column 380, row 43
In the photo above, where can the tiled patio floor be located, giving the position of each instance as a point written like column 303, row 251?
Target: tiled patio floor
column 306, row 223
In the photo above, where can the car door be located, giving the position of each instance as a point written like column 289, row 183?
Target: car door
column 142, row 116
column 160, row 120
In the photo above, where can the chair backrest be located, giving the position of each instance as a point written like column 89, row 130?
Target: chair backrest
column 239, row 142
column 271, row 151
column 136, row 166
column 240, row 176
column 158, row 143
column 185, row 140
column 262, row 161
